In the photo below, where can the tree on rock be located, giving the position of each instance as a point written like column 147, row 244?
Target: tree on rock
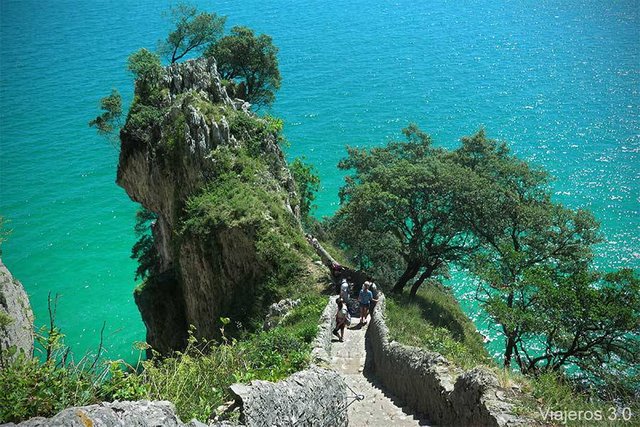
column 249, row 63
column 110, row 119
column 194, row 31
column 307, row 183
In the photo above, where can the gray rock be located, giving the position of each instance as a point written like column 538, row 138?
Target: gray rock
column 313, row 397
column 141, row 413
column 135, row 414
column 16, row 317
column 321, row 347
column 278, row 312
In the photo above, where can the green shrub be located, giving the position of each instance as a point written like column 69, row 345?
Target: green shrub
column 123, row 383
column 197, row 380
column 32, row 388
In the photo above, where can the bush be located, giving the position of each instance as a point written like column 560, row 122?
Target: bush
column 197, row 380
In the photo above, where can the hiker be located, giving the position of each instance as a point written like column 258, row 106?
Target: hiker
column 342, row 318
column 364, row 298
column 344, row 291
column 374, row 291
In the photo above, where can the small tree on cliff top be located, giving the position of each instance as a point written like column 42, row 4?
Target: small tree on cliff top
column 193, row 32
column 250, row 63
column 307, row 184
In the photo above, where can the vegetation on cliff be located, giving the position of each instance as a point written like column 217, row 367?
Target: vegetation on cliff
column 196, row 380
column 219, row 197
column 232, row 207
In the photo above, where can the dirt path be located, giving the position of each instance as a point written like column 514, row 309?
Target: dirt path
column 377, row 408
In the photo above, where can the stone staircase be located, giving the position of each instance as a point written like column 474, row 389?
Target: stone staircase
column 369, row 403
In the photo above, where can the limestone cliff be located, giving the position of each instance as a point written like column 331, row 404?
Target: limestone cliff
column 16, row 317
column 216, row 178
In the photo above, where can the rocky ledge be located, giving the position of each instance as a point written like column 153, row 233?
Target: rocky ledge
column 16, row 317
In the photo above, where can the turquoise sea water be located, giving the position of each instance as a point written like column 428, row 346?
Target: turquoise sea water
column 559, row 80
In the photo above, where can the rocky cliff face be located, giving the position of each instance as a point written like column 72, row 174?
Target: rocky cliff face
column 216, row 179
column 16, row 317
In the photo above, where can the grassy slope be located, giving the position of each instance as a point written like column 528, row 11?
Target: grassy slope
column 434, row 321
column 196, row 380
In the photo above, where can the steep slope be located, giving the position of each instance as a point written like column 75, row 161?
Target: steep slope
column 16, row 317
column 227, row 234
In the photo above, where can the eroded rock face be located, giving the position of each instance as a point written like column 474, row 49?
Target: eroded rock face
column 140, row 413
column 314, row 397
column 16, row 317
column 165, row 161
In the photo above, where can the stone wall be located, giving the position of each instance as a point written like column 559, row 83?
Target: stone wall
column 429, row 384
column 321, row 352
column 313, row 397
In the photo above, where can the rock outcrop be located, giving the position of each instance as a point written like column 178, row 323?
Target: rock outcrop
column 16, row 317
column 216, row 179
column 314, row 397
column 278, row 311
column 117, row 414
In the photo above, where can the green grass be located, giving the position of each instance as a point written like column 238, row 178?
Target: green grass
column 550, row 391
column 433, row 320
column 196, row 380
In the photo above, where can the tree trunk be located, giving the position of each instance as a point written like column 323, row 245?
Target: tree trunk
column 508, row 352
column 511, row 336
column 425, row 275
column 409, row 273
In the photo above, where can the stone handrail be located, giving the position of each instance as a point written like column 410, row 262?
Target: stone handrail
column 425, row 382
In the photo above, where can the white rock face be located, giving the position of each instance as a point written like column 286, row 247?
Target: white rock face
column 199, row 278
column 16, row 310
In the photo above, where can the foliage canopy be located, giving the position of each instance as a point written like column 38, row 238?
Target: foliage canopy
column 250, row 63
column 193, row 32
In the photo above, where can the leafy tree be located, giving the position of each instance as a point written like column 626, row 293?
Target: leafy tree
column 406, row 192
column 148, row 70
column 111, row 119
column 307, row 183
column 506, row 204
column 145, row 65
column 194, row 31
column 144, row 250
column 589, row 319
column 249, row 63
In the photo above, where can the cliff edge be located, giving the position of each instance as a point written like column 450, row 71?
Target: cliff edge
column 226, row 234
column 16, row 317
